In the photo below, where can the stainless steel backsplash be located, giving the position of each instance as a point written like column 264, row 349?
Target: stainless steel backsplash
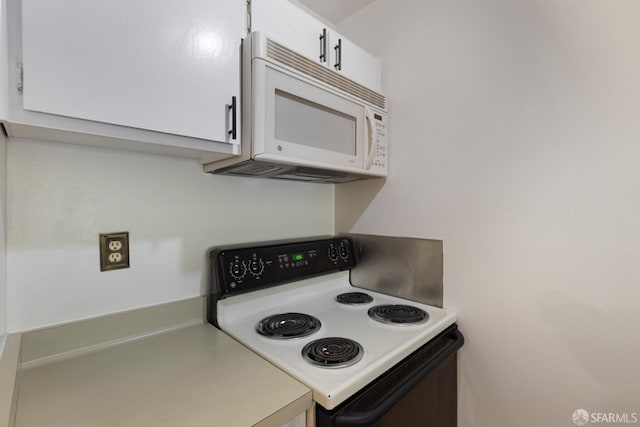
column 399, row 266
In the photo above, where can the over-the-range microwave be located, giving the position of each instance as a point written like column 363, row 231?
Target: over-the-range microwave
column 303, row 121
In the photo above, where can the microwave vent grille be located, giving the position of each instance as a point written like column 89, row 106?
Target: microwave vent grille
column 254, row 168
column 300, row 63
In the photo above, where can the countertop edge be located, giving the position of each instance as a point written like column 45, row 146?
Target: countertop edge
column 9, row 362
column 282, row 416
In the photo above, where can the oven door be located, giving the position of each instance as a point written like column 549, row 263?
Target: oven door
column 299, row 121
column 419, row 391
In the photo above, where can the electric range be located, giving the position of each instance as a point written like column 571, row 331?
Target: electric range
column 293, row 304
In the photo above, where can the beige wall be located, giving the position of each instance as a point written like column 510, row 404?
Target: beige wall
column 3, row 247
column 514, row 132
column 4, row 81
column 61, row 196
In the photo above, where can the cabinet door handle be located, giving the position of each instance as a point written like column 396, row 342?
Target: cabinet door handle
column 233, row 108
column 338, row 49
column 323, row 45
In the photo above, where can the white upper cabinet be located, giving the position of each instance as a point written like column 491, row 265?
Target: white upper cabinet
column 4, row 62
column 293, row 27
column 287, row 24
column 355, row 63
column 166, row 71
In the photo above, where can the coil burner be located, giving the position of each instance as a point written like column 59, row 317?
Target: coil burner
column 288, row 325
column 398, row 314
column 354, row 298
column 332, row 352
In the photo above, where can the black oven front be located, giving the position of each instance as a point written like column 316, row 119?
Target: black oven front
column 420, row 391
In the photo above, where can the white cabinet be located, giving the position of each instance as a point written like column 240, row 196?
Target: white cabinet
column 4, row 62
column 293, row 27
column 355, row 63
column 299, row 421
column 290, row 26
column 165, row 72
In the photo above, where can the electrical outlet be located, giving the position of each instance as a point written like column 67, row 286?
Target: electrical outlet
column 114, row 251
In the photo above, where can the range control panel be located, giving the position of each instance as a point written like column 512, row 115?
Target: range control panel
column 242, row 269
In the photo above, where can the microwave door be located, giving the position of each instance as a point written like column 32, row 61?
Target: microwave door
column 308, row 122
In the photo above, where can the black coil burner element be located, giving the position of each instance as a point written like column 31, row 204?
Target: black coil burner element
column 398, row 314
column 332, row 352
column 354, row 298
column 288, row 325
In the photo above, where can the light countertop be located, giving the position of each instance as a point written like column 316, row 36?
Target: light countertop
column 194, row 376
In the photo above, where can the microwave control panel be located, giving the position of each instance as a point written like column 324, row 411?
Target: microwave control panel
column 380, row 160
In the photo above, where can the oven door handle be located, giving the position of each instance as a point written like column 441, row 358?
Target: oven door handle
column 368, row 418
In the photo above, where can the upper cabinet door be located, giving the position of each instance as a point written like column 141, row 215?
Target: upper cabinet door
column 355, row 63
column 170, row 66
column 4, row 64
column 293, row 27
column 287, row 24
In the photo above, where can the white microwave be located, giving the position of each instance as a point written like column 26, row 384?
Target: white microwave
column 303, row 121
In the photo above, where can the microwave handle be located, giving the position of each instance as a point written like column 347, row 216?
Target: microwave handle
column 371, row 154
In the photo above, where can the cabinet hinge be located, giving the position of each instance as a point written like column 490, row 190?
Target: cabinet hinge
column 20, row 82
column 248, row 16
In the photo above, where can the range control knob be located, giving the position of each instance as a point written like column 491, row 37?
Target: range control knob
column 237, row 269
column 333, row 253
column 344, row 252
column 256, row 266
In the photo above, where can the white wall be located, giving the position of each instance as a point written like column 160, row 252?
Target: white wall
column 515, row 137
column 61, row 196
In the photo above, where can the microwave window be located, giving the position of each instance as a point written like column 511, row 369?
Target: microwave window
column 303, row 122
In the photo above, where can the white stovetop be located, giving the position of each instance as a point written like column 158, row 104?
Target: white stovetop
column 384, row 345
